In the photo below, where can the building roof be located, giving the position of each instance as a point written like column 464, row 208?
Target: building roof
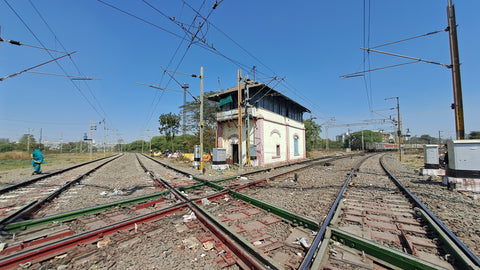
column 252, row 85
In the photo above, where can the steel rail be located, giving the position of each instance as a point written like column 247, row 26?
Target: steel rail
column 241, row 248
column 452, row 237
column 21, row 225
column 307, row 260
column 31, row 181
column 25, row 212
column 233, row 191
column 88, row 237
column 313, row 161
column 234, row 242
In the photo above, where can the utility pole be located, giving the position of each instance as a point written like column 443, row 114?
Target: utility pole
column 240, row 160
column 92, row 127
column 184, row 127
column 399, row 129
column 28, row 141
column 457, row 85
column 439, row 139
column 247, row 119
column 201, row 119
column 104, row 135
column 40, row 141
column 150, row 140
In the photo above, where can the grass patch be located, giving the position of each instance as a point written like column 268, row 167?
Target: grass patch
column 15, row 155
column 19, row 160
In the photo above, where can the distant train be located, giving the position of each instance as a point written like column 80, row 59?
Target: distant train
column 381, row 147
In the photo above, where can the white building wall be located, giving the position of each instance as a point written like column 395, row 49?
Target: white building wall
column 267, row 131
column 279, row 130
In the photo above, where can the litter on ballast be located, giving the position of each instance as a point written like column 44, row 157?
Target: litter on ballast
column 190, row 217
column 208, row 245
column 116, row 192
column 205, row 201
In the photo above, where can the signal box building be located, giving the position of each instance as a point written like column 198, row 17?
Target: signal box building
column 272, row 125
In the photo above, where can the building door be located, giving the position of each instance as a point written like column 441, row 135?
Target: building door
column 235, row 153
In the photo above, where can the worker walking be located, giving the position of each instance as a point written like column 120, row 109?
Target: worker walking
column 37, row 160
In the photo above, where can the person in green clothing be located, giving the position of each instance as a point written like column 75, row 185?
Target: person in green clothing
column 37, row 160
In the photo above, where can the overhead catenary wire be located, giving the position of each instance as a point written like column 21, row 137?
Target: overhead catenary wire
column 156, row 102
column 408, row 57
column 366, row 55
column 43, row 46
column 71, row 59
column 202, row 43
column 18, row 43
column 36, row 66
column 407, row 39
column 361, row 73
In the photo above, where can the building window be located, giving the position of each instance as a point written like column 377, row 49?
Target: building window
column 295, row 146
column 277, row 151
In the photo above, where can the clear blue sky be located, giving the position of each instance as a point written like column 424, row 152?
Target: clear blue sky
column 310, row 43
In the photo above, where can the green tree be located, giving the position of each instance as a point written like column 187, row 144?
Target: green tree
column 169, row 126
column 6, row 146
column 192, row 110
column 312, row 133
column 474, row 135
column 159, row 143
column 136, row 146
column 423, row 139
column 368, row 136
column 27, row 141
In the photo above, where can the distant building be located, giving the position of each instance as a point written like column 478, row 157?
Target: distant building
column 4, row 140
column 341, row 138
column 274, row 127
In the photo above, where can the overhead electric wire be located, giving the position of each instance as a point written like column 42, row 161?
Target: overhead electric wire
column 406, row 39
column 18, row 43
column 201, row 41
column 154, row 104
column 231, row 39
column 61, row 75
column 203, row 44
column 71, row 59
column 138, row 18
column 366, row 55
column 360, row 73
column 39, row 41
column 39, row 65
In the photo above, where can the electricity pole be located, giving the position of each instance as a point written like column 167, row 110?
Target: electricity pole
column 184, row 128
column 91, row 138
column 201, row 119
column 240, row 160
column 399, row 129
column 457, row 85
column 104, row 136
column 247, row 120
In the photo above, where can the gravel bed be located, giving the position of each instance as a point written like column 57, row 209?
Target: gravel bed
column 120, row 179
column 309, row 196
column 167, row 244
column 458, row 211
column 312, row 194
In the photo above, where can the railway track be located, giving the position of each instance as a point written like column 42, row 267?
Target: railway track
column 23, row 200
column 377, row 223
column 222, row 223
